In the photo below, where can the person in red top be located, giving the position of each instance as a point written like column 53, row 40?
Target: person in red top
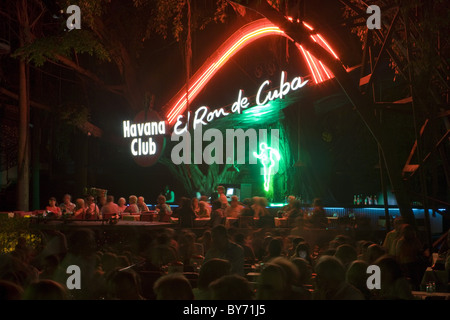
column 92, row 211
column 52, row 209
column 80, row 209
column 164, row 211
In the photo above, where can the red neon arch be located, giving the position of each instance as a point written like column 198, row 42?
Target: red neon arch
column 244, row 36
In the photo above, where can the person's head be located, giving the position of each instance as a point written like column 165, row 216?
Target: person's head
column 161, row 199
column 305, row 271
column 206, row 237
column 195, row 202
column 89, row 200
column 289, row 269
column 132, row 199
column 219, row 237
column 390, row 270
column 296, row 241
column 330, row 273
column 262, row 202
column 234, row 201
column 272, row 283
column 231, row 287
column 124, row 285
column 216, row 204
column 407, row 232
column 141, row 200
column 67, row 198
column 10, row 291
column 121, row 202
column 291, row 199
column 247, row 202
column 346, row 254
column 357, row 274
column 110, row 199
column 220, row 189
column 302, row 251
column 212, row 270
column 109, row 262
column 52, row 201
column 45, row 290
column 374, row 251
column 398, row 222
column 239, row 238
column 79, row 203
column 173, row 286
column 275, row 247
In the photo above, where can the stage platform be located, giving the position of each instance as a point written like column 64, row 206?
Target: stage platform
column 99, row 224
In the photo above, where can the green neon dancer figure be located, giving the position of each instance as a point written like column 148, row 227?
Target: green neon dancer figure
column 268, row 156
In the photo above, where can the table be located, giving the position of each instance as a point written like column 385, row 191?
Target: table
column 439, row 277
column 424, row 295
column 131, row 217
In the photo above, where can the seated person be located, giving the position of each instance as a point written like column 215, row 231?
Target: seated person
column 247, row 208
column 318, row 218
column 231, row 287
column 289, row 206
column 132, row 207
column 67, row 206
column 110, row 208
column 217, row 214
column 210, row 271
column 122, row 204
column 294, row 213
column 223, row 248
column 142, row 205
column 195, row 205
column 163, row 209
column 80, row 209
column 222, row 197
column 52, row 209
column 234, row 209
column 204, row 210
column 173, row 286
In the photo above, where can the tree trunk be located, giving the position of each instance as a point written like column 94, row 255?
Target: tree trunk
column 23, row 192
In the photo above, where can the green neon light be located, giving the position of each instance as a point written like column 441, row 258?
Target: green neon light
column 267, row 156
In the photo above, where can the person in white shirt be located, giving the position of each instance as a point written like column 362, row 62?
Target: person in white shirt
column 67, row 206
column 235, row 208
column 110, row 207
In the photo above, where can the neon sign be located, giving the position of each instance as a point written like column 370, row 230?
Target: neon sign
column 203, row 115
column 267, row 156
column 148, row 132
column 241, row 38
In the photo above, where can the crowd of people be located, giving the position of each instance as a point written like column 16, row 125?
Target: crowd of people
column 182, row 264
column 215, row 209
column 173, row 264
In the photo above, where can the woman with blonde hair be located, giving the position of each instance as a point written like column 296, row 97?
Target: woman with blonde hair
column 80, row 209
column 132, row 208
